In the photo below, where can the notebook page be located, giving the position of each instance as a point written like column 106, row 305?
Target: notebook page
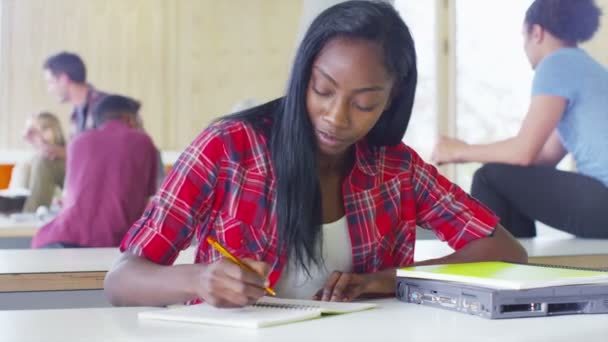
column 325, row 307
column 248, row 317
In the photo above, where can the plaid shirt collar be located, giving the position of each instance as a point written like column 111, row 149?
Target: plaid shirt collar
column 366, row 157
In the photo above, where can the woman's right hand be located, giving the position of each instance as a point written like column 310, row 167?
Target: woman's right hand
column 225, row 284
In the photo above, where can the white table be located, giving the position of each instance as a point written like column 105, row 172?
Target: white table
column 565, row 246
column 17, row 234
column 71, row 260
column 427, row 249
column 10, row 228
column 58, row 278
column 14, row 156
column 53, row 275
column 567, row 251
column 170, row 157
column 393, row 321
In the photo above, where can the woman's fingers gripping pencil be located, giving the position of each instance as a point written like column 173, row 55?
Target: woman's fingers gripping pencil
column 234, row 259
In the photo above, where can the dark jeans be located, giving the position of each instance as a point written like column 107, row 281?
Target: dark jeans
column 519, row 195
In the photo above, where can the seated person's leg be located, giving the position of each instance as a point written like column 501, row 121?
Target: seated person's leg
column 485, row 190
column 45, row 175
column 568, row 201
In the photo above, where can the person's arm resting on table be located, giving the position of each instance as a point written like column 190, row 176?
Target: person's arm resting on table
column 137, row 281
column 348, row 286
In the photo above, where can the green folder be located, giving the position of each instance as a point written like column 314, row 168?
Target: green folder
column 503, row 275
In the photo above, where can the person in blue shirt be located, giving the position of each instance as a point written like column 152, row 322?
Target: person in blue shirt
column 568, row 113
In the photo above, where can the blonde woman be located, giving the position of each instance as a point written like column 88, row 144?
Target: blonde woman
column 46, row 170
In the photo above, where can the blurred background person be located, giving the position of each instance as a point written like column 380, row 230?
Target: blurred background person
column 111, row 173
column 44, row 173
column 568, row 113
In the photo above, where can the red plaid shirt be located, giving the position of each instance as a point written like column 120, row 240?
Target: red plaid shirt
column 223, row 186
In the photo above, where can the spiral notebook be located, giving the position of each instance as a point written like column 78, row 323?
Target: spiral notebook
column 268, row 311
column 504, row 275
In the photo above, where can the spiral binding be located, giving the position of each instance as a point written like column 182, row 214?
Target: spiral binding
column 286, row 306
column 564, row 267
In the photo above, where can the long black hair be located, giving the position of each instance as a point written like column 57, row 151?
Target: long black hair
column 573, row 21
column 292, row 142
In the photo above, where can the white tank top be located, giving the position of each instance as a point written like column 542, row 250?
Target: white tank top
column 337, row 256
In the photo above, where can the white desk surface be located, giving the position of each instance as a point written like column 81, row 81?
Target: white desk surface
column 10, row 228
column 14, row 261
column 170, row 157
column 13, row 156
column 537, row 247
column 565, row 246
column 101, row 259
column 393, row 321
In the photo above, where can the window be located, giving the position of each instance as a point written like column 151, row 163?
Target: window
column 493, row 76
column 488, row 77
column 420, row 18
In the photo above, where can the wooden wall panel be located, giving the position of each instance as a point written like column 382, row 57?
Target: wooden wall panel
column 188, row 61
column 249, row 59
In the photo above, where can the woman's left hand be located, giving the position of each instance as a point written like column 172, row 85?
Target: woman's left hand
column 344, row 287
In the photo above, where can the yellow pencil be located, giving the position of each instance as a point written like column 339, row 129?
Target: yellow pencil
column 234, row 259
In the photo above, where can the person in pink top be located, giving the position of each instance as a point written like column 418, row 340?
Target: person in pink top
column 110, row 175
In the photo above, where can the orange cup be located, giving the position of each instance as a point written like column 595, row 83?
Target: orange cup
column 5, row 175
